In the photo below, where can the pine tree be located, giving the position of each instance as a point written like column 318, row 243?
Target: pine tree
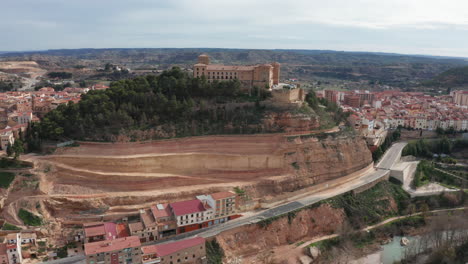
column 9, row 150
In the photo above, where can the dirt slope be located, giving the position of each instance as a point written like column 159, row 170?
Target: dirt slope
column 123, row 177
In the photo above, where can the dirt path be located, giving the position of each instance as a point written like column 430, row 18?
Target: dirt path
column 287, row 252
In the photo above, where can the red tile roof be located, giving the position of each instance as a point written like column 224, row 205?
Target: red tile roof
column 97, row 230
column 170, row 248
column 109, row 230
column 112, row 245
column 187, row 207
column 222, row 195
column 3, row 249
column 164, row 212
column 121, row 230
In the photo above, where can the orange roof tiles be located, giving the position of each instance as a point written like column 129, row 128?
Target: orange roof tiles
column 170, row 248
column 222, row 195
column 112, row 245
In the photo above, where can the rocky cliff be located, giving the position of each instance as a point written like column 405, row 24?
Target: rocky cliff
column 128, row 176
column 255, row 238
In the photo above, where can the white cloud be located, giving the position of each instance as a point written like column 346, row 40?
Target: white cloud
column 374, row 14
column 408, row 26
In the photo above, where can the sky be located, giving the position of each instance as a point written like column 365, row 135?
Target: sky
column 432, row 27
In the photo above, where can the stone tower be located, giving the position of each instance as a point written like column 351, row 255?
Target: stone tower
column 276, row 72
column 204, row 59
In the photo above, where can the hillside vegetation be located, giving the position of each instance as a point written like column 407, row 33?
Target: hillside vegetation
column 456, row 77
column 172, row 104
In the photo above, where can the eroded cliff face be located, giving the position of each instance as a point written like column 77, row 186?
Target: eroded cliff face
column 290, row 122
column 252, row 239
column 126, row 177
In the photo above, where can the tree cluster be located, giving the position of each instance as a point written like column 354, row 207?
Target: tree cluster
column 173, row 103
column 427, row 148
column 60, row 75
column 391, row 137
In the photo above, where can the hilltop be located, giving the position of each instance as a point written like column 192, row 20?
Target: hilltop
column 456, row 77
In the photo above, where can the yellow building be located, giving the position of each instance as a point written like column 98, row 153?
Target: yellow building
column 261, row 75
column 460, row 97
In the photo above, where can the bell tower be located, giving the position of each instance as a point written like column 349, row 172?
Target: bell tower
column 204, row 59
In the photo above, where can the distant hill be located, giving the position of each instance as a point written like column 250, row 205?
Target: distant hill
column 397, row 70
column 455, row 77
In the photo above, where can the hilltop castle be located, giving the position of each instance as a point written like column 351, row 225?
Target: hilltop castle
column 261, row 75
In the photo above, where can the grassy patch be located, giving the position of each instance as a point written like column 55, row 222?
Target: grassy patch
column 373, row 205
column 29, row 218
column 6, row 178
column 327, row 244
column 427, row 172
column 8, row 226
column 365, row 208
column 6, row 163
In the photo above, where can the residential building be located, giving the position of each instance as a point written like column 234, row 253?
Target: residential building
column 190, row 215
column 21, row 117
column 185, row 251
column 225, row 204
column 167, row 225
column 460, row 98
column 13, row 247
column 6, row 137
column 28, row 238
column 352, row 100
column 3, row 254
column 98, row 231
column 262, row 76
column 332, row 96
column 150, row 225
column 117, row 251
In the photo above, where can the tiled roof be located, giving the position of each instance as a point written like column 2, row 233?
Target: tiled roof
column 161, row 210
column 112, row 245
column 170, row 248
column 222, row 195
column 97, row 230
column 121, row 230
column 215, row 67
column 138, row 226
column 3, row 249
column 187, row 207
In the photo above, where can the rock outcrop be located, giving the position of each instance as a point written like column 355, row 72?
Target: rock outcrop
column 250, row 239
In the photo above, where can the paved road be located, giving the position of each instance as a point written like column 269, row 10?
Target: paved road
column 391, row 157
column 388, row 160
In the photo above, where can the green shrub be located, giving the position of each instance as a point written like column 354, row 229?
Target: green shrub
column 29, row 218
column 214, row 252
column 6, row 178
column 8, row 226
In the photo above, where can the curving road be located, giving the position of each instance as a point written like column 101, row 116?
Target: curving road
column 382, row 170
column 390, row 157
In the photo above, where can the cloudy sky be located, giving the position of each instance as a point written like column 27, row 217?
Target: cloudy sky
column 436, row 27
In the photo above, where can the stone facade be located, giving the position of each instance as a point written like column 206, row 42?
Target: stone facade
column 262, row 75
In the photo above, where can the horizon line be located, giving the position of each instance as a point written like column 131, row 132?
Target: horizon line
column 265, row 49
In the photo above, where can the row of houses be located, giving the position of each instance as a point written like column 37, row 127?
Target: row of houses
column 130, row 250
column 11, row 250
column 408, row 109
column 130, row 240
